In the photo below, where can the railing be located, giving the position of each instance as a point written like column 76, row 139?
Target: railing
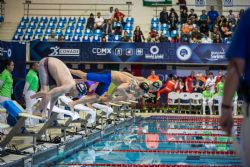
column 72, row 9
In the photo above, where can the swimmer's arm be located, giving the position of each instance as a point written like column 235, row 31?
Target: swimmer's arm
column 121, row 90
column 79, row 73
column 84, row 100
column 58, row 91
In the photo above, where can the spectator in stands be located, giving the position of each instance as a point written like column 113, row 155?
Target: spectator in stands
column 241, row 12
column 108, row 28
column 104, row 39
column 195, row 36
column 182, row 4
column 153, row 77
column 217, row 39
column 173, row 20
column 153, row 36
column 61, row 38
column 110, row 14
column 184, row 16
column 204, row 29
column 207, row 100
column 206, row 39
column 163, row 38
column 118, row 14
column 118, row 28
column 164, row 16
column 6, row 86
column 52, row 37
column 231, row 17
column 193, row 17
column 211, row 82
column 198, row 85
column 203, row 17
column 185, row 39
column 99, row 21
column 138, row 35
column 189, row 82
column 125, row 38
column 225, row 32
column 232, row 26
column 178, row 88
column 187, row 28
column 212, row 16
column 90, row 22
column 215, row 32
column 175, row 39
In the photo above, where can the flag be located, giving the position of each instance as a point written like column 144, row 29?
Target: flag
column 156, row 2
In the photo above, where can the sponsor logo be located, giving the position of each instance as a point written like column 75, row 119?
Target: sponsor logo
column 129, row 52
column 8, row 52
column 118, row 51
column 154, row 53
column 184, row 53
column 139, row 51
column 57, row 51
column 101, row 51
column 215, row 56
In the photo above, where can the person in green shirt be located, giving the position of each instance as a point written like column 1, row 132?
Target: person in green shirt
column 6, row 84
column 207, row 100
column 30, row 89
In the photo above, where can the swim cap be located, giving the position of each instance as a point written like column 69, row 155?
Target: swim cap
column 144, row 86
column 157, row 84
column 82, row 88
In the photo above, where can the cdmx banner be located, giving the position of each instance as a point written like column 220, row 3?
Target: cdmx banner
column 15, row 52
column 158, row 53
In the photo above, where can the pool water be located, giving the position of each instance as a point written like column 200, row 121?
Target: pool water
column 162, row 140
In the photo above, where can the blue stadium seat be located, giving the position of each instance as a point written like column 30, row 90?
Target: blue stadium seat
column 37, row 37
column 82, row 20
column 32, row 25
column 72, row 19
column 46, row 37
column 26, row 37
column 155, row 20
column 80, row 26
column 67, row 38
column 63, row 19
column 116, row 24
column 16, row 37
column 98, row 32
column 117, row 38
column 22, row 25
column 88, row 32
column 71, row 25
column 174, row 33
column 59, row 32
column 48, row 31
column 53, row 19
column 19, row 31
column 69, row 32
column 76, row 38
column 44, row 19
column 78, row 32
column 86, row 39
column 34, row 19
column 155, row 26
column 110, row 38
column 164, row 27
column 39, row 31
column 25, row 19
column 128, row 26
column 96, row 39
column 1, row 19
column 51, row 25
column 130, row 20
column 41, row 25
column 166, row 33
column 226, row 40
column 61, row 25
column 29, row 31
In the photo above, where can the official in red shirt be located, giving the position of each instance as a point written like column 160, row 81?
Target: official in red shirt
column 118, row 14
column 189, row 83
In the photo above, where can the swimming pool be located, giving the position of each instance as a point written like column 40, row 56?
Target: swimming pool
column 161, row 141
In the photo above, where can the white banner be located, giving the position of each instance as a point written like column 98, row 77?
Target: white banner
column 199, row 3
column 228, row 3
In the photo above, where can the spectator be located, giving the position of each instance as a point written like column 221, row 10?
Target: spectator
column 173, row 14
column 193, row 16
column 189, row 83
column 211, row 82
column 184, row 16
column 173, row 20
column 125, row 38
column 99, row 21
column 138, row 35
column 215, row 32
column 198, row 85
column 61, row 38
column 52, row 37
column 204, row 29
column 207, row 100
column 110, row 14
column 162, row 38
column 178, row 88
column 206, row 39
column 195, row 36
column 182, row 4
column 164, row 16
column 6, row 85
column 185, row 39
column 217, row 39
column 175, row 39
column 90, row 22
column 153, row 77
column 203, row 17
column 108, row 28
column 118, row 15
column 187, row 27
column 212, row 16
column 104, row 39
column 118, row 28
column 242, row 11
column 225, row 32
column 232, row 26
column 30, row 89
column 153, row 35
column 167, row 88
column 231, row 17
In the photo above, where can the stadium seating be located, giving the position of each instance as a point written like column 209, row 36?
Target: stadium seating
column 41, row 25
column 25, row 19
column 27, row 37
column 86, row 39
column 98, row 32
column 39, row 32
column 1, row 19
column 16, row 37
column 44, row 19
column 78, row 32
column 76, row 38
column 96, row 39
column 72, row 19
column 19, row 32
column 88, row 32
column 63, row 19
column 60, row 25
column 53, row 19
column 155, row 26
column 82, row 20
column 130, row 20
column 51, row 25
column 69, row 32
column 67, row 38
column 32, row 25
column 34, row 19
column 155, row 20
column 117, row 38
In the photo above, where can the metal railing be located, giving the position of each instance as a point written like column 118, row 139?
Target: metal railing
column 72, row 9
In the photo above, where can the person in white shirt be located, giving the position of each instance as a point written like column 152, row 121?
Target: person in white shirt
column 99, row 21
column 206, row 39
column 211, row 82
column 110, row 13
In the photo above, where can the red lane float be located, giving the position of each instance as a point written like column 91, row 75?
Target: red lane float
column 172, row 141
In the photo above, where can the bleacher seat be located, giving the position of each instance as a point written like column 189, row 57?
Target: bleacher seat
column 80, row 26
column 155, row 20
column 53, row 19
column 1, row 19
column 76, row 38
column 67, row 38
column 48, row 31
column 130, row 20
column 41, row 25
column 164, row 27
column 37, row 37
column 46, row 37
column 166, row 33
column 71, row 25
column 116, row 24
column 51, row 25
column 98, row 32
column 62, row 19
column 110, row 38
column 174, row 33
column 16, row 37
column 29, row 31
column 25, row 19
column 96, row 39
column 34, row 19
column 44, row 19
column 128, row 26
column 155, row 26
column 88, row 32
column 82, row 20
column 86, row 39
column 26, row 37
column 22, row 25
column 72, row 19
column 39, row 32
column 78, row 32
column 69, row 32
column 129, row 33
column 59, row 32
column 117, row 38
column 19, row 31
column 60, row 25
column 32, row 25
